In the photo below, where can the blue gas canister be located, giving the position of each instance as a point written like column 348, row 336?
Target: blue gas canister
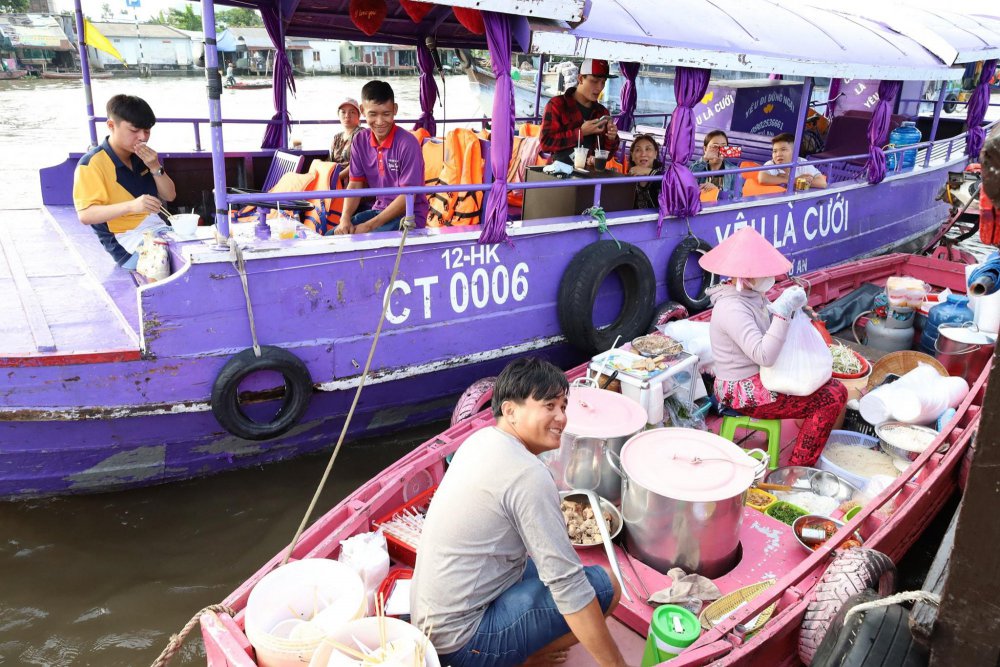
column 955, row 310
column 906, row 134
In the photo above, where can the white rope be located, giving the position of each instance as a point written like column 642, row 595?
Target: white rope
column 906, row 596
column 241, row 267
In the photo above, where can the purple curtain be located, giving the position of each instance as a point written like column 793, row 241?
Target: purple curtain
column 679, row 194
column 629, row 96
column 831, row 108
column 428, row 89
column 976, row 110
column 498, row 40
column 284, row 79
column 878, row 130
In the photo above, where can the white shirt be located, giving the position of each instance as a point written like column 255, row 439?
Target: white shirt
column 801, row 170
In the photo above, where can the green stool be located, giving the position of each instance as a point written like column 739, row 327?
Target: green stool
column 770, row 426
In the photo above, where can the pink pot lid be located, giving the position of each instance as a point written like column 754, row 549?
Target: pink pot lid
column 663, row 461
column 598, row 413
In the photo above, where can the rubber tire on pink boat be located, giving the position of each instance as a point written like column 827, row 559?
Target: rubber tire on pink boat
column 668, row 311
column 473, row 400
column 851, row 572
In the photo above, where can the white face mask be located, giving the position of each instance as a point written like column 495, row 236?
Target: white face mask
column 762, row 285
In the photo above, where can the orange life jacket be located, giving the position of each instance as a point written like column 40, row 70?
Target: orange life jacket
column 421, row 134
column 463, row 164
column 433, row 152
column 325, row 214
column 290, row 182
column 530, row 130
column 524, row 154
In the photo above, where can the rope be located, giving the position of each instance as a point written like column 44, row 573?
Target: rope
column 236, row 255
column 407, row 224
column 176, row 641
column 907, row 596
column 598, row 215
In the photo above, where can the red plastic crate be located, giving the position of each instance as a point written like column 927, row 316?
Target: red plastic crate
column 401, row 552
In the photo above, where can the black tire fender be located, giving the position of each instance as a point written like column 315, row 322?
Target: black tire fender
column 878, row 637
column 851, row 572
column 225, row 392
column 473, row 400
column 578, row 292
column 950, row 103
column 676, row 267
column 668, row 311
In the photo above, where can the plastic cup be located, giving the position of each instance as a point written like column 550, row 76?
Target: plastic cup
column 580, row 157
column 600, row 160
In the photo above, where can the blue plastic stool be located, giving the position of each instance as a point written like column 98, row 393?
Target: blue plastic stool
column 731, row 422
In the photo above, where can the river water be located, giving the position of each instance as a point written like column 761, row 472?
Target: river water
column 106, row 579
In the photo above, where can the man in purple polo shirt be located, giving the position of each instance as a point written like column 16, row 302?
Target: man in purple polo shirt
column 382, row 156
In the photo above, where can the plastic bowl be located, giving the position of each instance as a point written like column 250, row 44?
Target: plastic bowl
column 852, row 439
column 866, row 368
column 606, row 505
column 906, row 454
column 185, row 224
column 816, row 518
column 766, row 499
column 776, row 506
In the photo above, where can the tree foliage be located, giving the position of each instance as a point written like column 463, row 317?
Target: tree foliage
column 238, row 18
column 185, row 19
column 13, row 6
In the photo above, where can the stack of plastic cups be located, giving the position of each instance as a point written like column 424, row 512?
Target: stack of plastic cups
column 671, row 630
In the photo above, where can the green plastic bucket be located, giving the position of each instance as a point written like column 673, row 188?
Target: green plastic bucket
column 671, row 630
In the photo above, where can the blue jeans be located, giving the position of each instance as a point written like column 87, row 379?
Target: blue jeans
column 521, row 621
column 365, row 216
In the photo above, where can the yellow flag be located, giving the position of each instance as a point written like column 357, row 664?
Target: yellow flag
column 95, row 39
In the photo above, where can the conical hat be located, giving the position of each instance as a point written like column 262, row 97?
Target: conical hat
column 745, row 254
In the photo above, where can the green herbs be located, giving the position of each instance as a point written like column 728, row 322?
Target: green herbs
column 785, row 512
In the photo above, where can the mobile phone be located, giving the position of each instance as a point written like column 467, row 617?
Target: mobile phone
column 730, row 151
column 604, row 120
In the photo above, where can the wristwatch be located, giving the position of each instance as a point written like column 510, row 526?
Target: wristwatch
column 159, row 172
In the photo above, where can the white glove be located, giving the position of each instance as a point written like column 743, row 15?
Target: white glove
column 789, row 301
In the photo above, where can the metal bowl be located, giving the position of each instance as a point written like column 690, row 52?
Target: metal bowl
column 810, row 518
column 899, row 453
column 800, row 476
column 606, row 505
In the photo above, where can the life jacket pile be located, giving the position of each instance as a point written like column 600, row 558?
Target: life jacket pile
column 463, row 163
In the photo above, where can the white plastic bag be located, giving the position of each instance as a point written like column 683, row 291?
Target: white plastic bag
column 804, row 363
column 694, row 336
column 368, row 554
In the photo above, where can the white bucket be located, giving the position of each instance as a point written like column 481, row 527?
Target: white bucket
column 327, row 593
column 366, row 631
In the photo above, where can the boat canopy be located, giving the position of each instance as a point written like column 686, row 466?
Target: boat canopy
column 743, row 35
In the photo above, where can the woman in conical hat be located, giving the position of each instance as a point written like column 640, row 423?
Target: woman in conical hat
column 748, row 331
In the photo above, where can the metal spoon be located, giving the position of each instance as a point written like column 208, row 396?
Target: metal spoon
column 609, row 548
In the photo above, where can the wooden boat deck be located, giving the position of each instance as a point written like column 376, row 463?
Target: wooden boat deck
column 60, row 293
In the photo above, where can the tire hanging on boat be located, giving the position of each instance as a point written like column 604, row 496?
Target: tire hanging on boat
column 879, row 637
column 668, row 311
column 579, row 286
column 225, row 392
column 676, row 268
column 474, row 399
column 851, row 572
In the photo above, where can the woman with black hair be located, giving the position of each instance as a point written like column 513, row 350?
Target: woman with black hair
column 644, row 158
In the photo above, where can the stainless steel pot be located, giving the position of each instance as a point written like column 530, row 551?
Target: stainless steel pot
column 683, row 507
column 964, row 350
column 597, row 422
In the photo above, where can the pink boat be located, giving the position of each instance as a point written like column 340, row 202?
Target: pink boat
column 769, row 548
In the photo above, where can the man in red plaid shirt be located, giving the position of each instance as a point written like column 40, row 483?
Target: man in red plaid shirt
column 576, row 115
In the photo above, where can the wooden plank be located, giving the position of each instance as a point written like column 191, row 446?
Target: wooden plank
column 40, row 332
column 924, row 615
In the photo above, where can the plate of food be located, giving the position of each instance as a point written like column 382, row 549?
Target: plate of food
column 657, row 345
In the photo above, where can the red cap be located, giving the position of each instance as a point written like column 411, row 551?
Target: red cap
column 745, row 254
column 597, row 68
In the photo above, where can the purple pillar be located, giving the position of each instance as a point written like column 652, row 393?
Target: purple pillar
column 679, row 194
column 878, row 130
column 976, row 110
column 498, row 38
column 214, row 80
column 428, row 89
column 938, row 106
column 629, row 96
column 831, row 107
column 81, row 45
column 276, row 135
column 800, row 124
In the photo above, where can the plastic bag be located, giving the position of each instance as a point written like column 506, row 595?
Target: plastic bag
column 368, row 555
column 682, row 414
column 154, row 261
column 804, row 364
column 694, row 337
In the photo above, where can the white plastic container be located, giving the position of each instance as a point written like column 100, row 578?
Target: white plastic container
column 185, row 224
column 366, row 631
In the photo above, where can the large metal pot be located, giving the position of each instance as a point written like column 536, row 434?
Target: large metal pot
column 964, row 350
column 682, row 499
column 597, row 421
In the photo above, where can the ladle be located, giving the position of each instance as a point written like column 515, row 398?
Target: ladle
column 609, row 548
column 822, row 483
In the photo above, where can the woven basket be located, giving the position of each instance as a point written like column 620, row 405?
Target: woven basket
column 900, row 363
column 718, row 610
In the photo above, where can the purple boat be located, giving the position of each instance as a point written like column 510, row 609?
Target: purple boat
column 253, row 352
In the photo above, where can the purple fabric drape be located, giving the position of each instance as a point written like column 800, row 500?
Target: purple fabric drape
column 428, row 89
column 831, row 108
column 629, row 96
column 976, row 111
column 284, row 79
column 679, row 194
column 498, row 40
column 878, row 130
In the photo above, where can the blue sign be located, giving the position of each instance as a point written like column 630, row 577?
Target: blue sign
column 766, row 111
column 132, row 3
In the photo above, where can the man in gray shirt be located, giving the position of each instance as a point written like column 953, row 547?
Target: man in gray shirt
column 486, row 603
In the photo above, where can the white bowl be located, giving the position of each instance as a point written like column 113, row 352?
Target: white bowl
column 185, row 224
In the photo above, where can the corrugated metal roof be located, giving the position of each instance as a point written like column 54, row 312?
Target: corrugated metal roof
column 144, row 31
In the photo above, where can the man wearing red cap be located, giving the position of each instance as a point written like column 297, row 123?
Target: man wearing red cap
column 745, row 337
column 576, row 117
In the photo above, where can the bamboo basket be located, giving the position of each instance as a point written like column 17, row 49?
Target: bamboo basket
column 727, row 604
column 901, row 363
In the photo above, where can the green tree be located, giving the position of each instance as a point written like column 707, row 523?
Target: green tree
column 159, row 19
column 13, row 6
column 185, row 19
column 238, row 17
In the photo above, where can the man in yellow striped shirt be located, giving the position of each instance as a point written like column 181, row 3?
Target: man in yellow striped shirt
column 120, row 186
